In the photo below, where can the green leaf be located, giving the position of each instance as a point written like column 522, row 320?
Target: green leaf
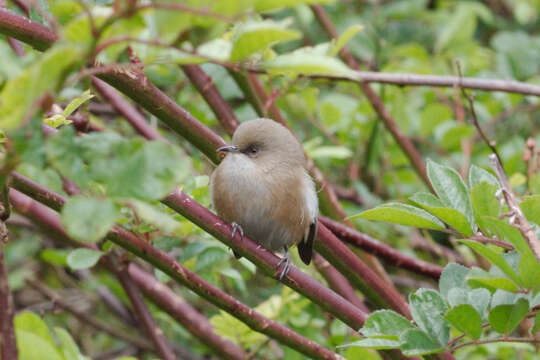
column 33, row 347
column 78, row 101
column 69, row 348
column 415, row 342
column 152, row 215
column 83, row 258
column 254, row 36
column 536, row 326
column 19, row 93
column 427, row 310
column 480, row 278
column 494, row 257
column 484, row 203
column 54, row 256
column 531, row 208
column 305, row 63
column 32, row 323
column 478, row 175
column 450, row 216
column 87, row 219
column 453, row 276
column 450, row 189
column 268, row 5
column 330, row 152
column 375, row 343
column 344, row 38
column 385, row 323
column 57, row 121
column 466, row 319
column 505, row 318
column 402, row 214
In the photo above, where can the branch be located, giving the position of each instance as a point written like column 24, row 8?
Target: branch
column 403, row 141
column 532, row 340
column 8, row 345
column 25, row 30
column 175, row 270
column 131, row 114
column 205, row 86
column 142, row 312
column 389, row 254
column 517, row 219
column 182, row 312
column 87, row 318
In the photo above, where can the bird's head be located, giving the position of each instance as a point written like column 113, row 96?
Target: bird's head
column 265, row 142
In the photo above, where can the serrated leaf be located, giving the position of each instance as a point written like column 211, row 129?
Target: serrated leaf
column 466, row 319
column 450, row 189
column 452, row 217
column 254, row 36
column 32, row 323
column 494, row 257
column 531, row 208
column 83, row 258
column 427, row 310
column 478, row 278
column 402, row 214
column 484, row 202
column 505, row 318
column 87, row 219
column 478, row 175
column 415, row 342
column 385, row 323
column 453, row 276
column 344, row 38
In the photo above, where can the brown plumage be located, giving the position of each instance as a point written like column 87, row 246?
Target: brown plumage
column 263, row 186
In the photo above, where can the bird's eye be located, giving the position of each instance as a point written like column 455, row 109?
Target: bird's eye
column 252, row 151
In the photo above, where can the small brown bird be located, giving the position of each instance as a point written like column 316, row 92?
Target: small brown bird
column 262, row 187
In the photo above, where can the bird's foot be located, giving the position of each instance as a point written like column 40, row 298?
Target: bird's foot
column 286, row 262
column 237, row 228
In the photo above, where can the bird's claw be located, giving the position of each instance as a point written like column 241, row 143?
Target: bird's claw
column 236, row 227
column 286, row 262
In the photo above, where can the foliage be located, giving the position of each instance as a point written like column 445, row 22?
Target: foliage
column 120, row 177
column 478, row 304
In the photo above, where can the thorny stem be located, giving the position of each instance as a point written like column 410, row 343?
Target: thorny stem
column 517, row 219
column 470, row 100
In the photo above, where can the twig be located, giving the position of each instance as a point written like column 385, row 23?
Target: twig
column 470, row 100
column 88, row 319
column 8, row 345
column 142, row 312
column 517, row 219
column 42, row 38
column 387, row 253
column 499, row 339
column 46, row 217
column 401, row 139
column 184, row 313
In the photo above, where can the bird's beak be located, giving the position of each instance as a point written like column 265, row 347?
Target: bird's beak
column 228, row 148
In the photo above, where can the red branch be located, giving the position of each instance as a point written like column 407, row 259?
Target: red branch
column 8, row 346
column 26, row 30
column 387, row 253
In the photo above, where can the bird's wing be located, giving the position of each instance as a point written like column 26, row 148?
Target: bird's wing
column 305, row 247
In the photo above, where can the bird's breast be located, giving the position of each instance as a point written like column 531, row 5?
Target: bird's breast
column 270, row 206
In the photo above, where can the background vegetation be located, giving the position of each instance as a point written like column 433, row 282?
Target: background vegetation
column 111, row 112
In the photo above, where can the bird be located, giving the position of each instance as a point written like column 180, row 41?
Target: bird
column 263, row 189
